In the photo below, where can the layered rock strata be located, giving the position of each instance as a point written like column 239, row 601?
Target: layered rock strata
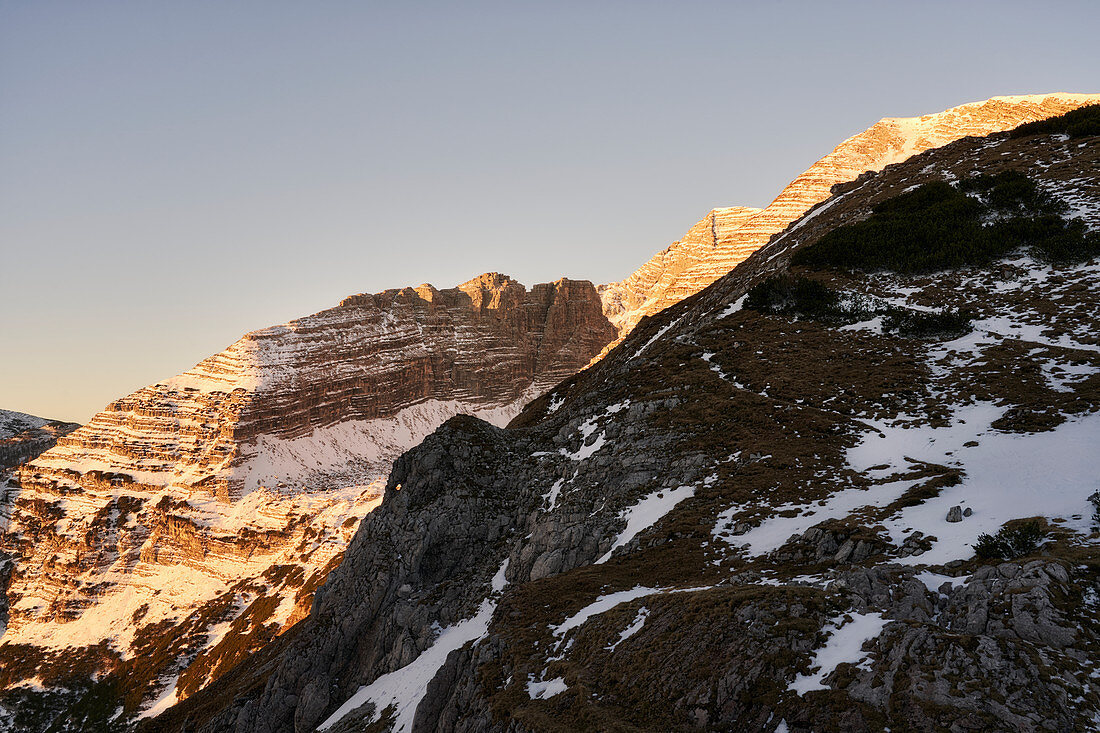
column 725, row 237
column 484, row 343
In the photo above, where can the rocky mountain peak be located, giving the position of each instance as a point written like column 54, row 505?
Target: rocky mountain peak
column 491, row 282
column 769, row 500
column 727, row 237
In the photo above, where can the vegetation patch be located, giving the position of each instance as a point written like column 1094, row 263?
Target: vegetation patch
column 938, row 226
column 797, row 295
column 945, row 323
column 1077, row 123
column 1010, row 541
column 800, row 296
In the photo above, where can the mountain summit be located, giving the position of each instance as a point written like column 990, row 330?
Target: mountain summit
column 198, row 514
column 725, row 237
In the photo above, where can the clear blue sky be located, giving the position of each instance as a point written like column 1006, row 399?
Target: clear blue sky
column 173, row 174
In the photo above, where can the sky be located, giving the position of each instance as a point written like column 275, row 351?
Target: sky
column 175, row 174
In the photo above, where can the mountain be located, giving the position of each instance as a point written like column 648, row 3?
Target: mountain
column 725, row 237
column 816, row 496
column 22, row 436
column 188, row 525
column 190, row 522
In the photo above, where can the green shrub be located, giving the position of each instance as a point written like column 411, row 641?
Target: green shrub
column 1077, row 123
column 937, row 226
column 1011, row 192
column 799, row 296
column 1009, row 542
column 793, row 295
column 926, row 324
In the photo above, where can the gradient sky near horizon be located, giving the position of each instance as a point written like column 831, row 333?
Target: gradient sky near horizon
column 174, row 174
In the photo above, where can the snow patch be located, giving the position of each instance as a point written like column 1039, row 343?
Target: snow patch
column 499, row 581
column 588, row 427
column 405, row 688
column 603, row 604
column 634, row 627
column 934, row 581
column 874, row 325
column 551, row 496
column 167, row 698
column 733, row 307
column 540, row 690
column 645, row 514
column 845, row 644
column 775, row 531
column 1005, row 476
column 659, row 334
column 292, row 464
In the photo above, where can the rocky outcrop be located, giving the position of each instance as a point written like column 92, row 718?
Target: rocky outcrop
column 726, row 237
column 737, row 520
column 190, row 522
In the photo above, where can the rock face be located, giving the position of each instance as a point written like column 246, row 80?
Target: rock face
column 736, row 520
column 725, row 237
column 22, row 436
column 190, row 522
column 484, row 343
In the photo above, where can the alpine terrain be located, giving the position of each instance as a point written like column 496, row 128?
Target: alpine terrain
column 725, row 237
column 831, row 467
column 849, row 486
column 190, row 522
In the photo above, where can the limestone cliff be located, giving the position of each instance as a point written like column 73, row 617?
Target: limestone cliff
column 726, row 237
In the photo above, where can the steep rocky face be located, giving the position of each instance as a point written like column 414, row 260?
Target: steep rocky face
column 22, row 436
column 742, row 520
column 485, row 342
column 189, row 523
column 726, row 237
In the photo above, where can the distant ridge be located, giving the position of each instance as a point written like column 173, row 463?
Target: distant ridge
column 23, row 436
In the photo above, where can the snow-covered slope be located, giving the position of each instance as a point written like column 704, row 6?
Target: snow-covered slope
column 13, row 423
column 726, row 237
